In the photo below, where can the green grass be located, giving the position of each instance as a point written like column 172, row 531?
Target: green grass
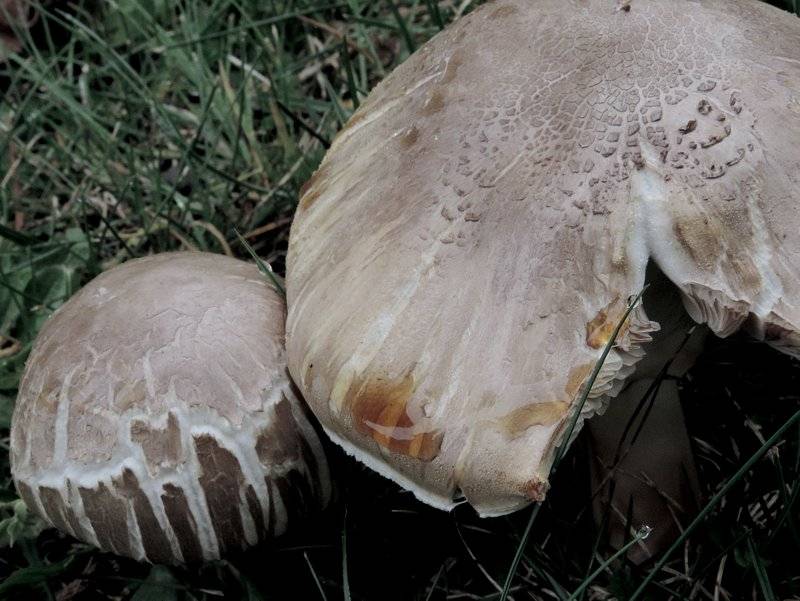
column 128, row 128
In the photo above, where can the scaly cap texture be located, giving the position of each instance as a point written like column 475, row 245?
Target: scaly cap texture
column 156, row 418
column 470, row 240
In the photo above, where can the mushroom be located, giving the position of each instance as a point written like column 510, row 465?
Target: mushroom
column 156, row 418
column 462, row 255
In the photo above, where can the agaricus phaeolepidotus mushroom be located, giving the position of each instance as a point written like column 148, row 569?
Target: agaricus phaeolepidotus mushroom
column 156, row 418
column 470, row 241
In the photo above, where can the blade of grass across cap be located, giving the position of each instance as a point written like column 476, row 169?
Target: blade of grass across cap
column 562, row 449
column 768, row 444
column 567, row 436
column 262, row 266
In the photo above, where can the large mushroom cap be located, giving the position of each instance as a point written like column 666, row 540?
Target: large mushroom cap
column 471, row 238
column 156, row 419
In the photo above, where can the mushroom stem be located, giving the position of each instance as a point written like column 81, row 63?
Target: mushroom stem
column 649, row 481
column 643, row 468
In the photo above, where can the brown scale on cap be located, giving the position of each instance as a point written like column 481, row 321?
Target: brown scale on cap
column 494, row 202
column 146, row 404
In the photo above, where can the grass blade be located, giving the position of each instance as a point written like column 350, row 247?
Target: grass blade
column 315, row 577
column 401, row 23
column 435, row 13
column 768, row 444
column 345, row 574
column 17, row 237
column 262, row 266
column 567, row 437
column 642, row 534
column 761, row 570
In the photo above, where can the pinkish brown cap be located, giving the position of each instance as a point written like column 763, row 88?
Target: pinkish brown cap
column 156, row 419
column 470, row 240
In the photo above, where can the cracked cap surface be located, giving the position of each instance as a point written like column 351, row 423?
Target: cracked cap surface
column 468, row 243
column 156, row 419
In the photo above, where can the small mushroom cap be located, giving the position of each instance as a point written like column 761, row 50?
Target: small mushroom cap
column 470, row 240
column 156, row 419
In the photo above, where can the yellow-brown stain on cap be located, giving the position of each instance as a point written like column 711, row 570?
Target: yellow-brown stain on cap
column 453, row 63
column 380, row 410
column 409, row 137
column 535, row 414
column 702, row 238
column 601, row 328
column 577, row 375
column 434, row 103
